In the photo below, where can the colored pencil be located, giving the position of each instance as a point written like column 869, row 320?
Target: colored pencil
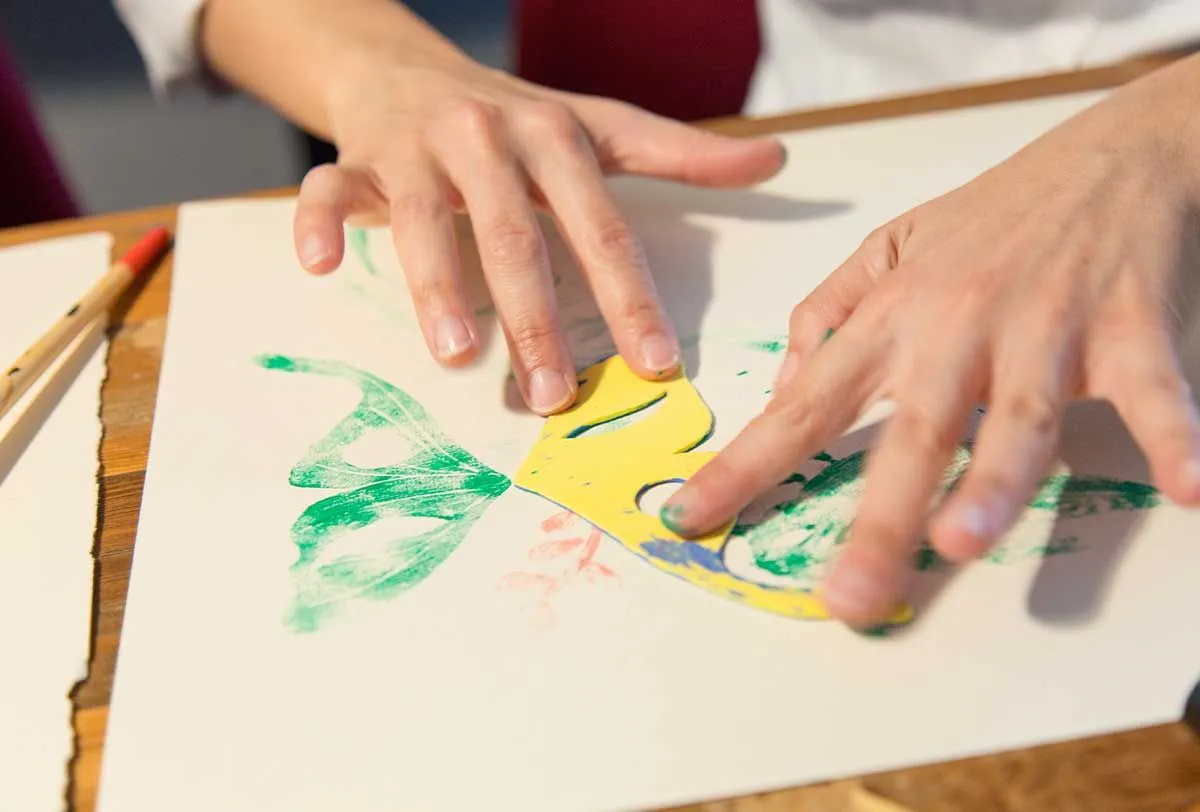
column 41, row 354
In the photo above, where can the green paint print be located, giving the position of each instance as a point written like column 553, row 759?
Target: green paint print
column 1074, row 497
column 800, row 532
column 798, row 535
column 438, row 483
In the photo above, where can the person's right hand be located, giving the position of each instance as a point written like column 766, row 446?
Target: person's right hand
column 418, row 143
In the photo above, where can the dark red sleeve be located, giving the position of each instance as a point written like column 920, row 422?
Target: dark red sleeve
column 688, row 59
column 33, row 187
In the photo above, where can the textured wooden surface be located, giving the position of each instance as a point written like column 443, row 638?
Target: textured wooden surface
column 1152, row 770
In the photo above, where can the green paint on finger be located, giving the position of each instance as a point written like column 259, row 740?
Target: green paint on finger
column 670, row 515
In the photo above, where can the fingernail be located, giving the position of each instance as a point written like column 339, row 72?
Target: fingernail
column 671, row 515
column 974, row 520
column 659, row 353
column 313, row 251
column 791, row 363
column 452, row 337
column 549, row 391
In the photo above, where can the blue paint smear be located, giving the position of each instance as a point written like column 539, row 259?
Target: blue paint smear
column 684, row 554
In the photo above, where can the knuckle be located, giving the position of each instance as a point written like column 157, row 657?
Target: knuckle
column 615, row 243
column 796, row 414
column 878, row 529
column 639, row 311
column 510, row 244
column 807, row 324
column 532, row 338
column 426, row 291
column 920, row 429
column 879, row 252
column 410, row 207
column 550, row 123
column 1033, row 409
column 481, row 121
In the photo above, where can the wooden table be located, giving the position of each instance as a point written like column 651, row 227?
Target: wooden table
column 1146, row 770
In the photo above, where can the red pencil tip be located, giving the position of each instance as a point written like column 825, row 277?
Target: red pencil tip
column 147, row 249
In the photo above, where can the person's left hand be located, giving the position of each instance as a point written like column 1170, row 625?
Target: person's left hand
column 1066, row 271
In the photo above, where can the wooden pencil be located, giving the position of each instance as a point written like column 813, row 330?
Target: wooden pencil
column 41, row 354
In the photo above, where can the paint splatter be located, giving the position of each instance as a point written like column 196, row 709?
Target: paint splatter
column 439, row 489
column 779, row 344
column 572, row 560
column 774, row 346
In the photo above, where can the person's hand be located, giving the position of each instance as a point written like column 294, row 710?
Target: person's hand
column 1067, row 271
column 417, row 144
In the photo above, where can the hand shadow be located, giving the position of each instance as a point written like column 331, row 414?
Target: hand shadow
column 678, row 252
column 54, row 385
column 1069, row 589
column 1099, row 508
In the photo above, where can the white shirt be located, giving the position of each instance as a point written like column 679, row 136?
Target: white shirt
column 823, row 52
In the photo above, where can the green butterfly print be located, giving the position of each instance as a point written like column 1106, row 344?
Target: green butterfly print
column 799, row 534
column 438, row 480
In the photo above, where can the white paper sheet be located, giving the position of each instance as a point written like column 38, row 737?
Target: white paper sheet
column 507, row 680
column 49, row 446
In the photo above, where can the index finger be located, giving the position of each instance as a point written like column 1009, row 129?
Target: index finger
column 817, row 404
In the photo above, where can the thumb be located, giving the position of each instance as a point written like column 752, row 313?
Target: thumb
column 329, row 196
column 629, row 140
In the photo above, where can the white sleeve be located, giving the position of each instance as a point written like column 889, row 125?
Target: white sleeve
column 167, row 35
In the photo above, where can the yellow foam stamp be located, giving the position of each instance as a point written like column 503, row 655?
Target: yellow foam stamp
column 597, row 462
